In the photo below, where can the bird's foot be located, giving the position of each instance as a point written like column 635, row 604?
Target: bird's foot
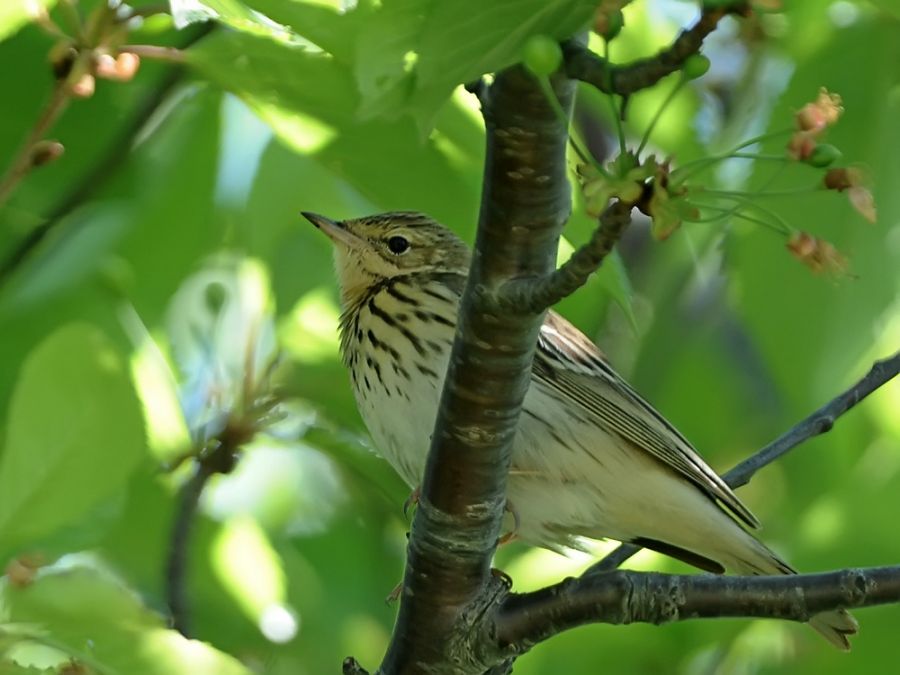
column 512, row 535
column 394, row 595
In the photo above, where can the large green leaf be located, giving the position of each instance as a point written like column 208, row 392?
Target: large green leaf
column 101, row 622
column 325, row 26
column 413, row 53
column 75, row 435
column 462, row 40
column 385, row 160
column 231, row 12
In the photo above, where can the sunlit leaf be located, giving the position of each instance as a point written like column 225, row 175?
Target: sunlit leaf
column 15, row 13
column 96, row 618
column 232, row 12
column 75, row 435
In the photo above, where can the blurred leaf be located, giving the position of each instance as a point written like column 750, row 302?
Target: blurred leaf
column 231, row 12
column 248, row 567
column 385, row 161
column 11, row 668
column 75, row 435
column 288, row 76
column 15, row 13
column 333, row 31
column 100, row 621
column 87, row 237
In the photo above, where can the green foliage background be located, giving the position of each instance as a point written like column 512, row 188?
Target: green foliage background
column 295, row 105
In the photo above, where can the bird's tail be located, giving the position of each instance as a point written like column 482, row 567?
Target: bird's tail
column 835, row 626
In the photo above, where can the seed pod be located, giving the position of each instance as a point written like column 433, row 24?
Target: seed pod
column 542, row 55
column 609, row 25
column 823, row 155
column 696, row 65
column 44, row 152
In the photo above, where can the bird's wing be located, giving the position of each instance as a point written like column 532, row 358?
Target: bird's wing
column 567, row 362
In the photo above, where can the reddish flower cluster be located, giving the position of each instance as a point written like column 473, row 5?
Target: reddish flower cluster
column 811, row 120
column 817, row 254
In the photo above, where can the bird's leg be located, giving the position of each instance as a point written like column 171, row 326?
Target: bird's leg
column 511, row 535
column 412, row 500
column 394, row 595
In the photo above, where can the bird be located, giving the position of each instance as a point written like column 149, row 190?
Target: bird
column 591, row 458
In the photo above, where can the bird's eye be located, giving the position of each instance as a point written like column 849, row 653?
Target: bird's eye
column 398, row 244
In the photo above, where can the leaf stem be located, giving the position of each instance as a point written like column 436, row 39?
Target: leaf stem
column 155, row 52
column 547, row 90
column 659, row 111
column 683, row 172
column 23, row 161
column 745, row 200
column 616, row 111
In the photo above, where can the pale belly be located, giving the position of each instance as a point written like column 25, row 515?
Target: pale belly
column 569, row 478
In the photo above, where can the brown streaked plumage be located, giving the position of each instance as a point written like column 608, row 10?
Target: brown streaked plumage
column 591, row 459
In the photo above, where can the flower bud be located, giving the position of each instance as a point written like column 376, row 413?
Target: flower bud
column 84, row 87
column 45, row 152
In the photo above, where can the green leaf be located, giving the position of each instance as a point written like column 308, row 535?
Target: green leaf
column 75, row 435
column 462, row 40
column 101, row 622
column 266, row 73
column 231, row 12
column 413, row 53
column 384, row 49
column 324, row 26
column 16, row 13
column 384, row 160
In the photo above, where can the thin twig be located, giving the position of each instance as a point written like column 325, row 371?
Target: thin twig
column 24, row 160
column 536, row 295
column 176, row 563
column 626, row 596
column 582, row 64
column 819, row 422
column 155, row 52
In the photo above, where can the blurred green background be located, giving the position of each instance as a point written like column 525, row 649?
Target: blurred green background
column 175, row 261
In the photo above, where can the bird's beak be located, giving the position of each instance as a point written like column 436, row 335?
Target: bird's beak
column 335, row 230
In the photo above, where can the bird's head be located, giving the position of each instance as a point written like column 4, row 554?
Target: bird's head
column 375, row 248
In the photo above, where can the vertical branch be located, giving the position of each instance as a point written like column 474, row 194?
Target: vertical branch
column 177, row 561
column 525, row 203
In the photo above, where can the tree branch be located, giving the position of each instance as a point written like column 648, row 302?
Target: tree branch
column 448, row 591
column 819, row 422
column 536, row 295
column 583, row 64
column 623, row 597
column 176, row 562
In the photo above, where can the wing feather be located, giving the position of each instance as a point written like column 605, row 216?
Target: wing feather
column 566, row 361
